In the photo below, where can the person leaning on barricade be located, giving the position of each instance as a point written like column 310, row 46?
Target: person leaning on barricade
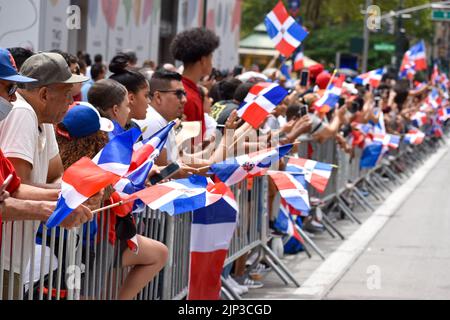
column 81, row 134
column 26, row 202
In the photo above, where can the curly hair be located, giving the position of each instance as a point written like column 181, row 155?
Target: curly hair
column 191, row 45
column 73, row 150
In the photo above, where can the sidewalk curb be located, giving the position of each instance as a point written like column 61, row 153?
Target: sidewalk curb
column 325, row 277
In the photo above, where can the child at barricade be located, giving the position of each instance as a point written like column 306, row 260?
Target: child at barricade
column 78, row 136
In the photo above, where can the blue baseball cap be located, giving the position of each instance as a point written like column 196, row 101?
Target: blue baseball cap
column 8, row 69
column 83, row 120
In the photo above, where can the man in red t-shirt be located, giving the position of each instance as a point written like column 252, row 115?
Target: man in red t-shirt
column 195, row 47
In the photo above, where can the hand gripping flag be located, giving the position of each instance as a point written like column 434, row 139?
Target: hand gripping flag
column 331, row 96
column 291, row 189
column 211, row 232
column 373, row 78
column 181, row 196
column 262, row 99
column 434, row 99
column 285, row 32
column 234, row 170
column 80, row 182
column 316, row 173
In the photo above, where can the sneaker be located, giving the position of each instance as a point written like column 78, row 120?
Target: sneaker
column 261, row 268
column 244, row 289
column 233, row 287
column 249, row 283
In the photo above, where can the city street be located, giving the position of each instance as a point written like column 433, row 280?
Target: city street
column 408, row 258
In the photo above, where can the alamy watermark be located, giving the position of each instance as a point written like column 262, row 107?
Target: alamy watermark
column 373, row 21
column 73, row 21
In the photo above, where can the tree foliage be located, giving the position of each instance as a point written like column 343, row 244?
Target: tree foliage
column 332, row 24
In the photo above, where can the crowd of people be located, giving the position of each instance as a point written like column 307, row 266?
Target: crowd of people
column 56, row 108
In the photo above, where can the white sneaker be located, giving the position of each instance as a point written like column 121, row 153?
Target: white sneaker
column 243, row 288
column 233, row 287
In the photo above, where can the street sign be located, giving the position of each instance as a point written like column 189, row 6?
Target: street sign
column 440, row 15
column 384, row 47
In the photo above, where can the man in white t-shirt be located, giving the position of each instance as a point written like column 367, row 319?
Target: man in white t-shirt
column 27, row 135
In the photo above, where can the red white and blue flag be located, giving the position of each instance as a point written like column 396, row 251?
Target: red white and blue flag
column 291, row 189
column 316, row 173
column 444, row 114
column 116, row 156
column 415, row 58
column 234, row 170
column 285, row 223
column 434, row 99
column 87, row 177
column 419, row 119
column 261, row 100
column 373, row 78
column 299, row 62
column 285, row 32
column 145, row 152
column 211, row 232
column 80, row 181
column 415, row 137
column 387, row 140
column 330, row 98
column 182, row 195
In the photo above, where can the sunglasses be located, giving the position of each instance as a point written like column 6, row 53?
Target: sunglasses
column 179, row 93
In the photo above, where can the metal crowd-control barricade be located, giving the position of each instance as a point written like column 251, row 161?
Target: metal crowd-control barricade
column 65, row 265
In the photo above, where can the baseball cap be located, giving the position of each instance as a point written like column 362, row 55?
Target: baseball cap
column 323, row 79
column 314, row 70
column 8, row 69
column 83, row 120
column 49, row 68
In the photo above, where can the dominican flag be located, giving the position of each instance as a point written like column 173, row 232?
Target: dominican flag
column 419, row 119
column 144, row 154
column 291, row 189
column 372, row 152
column 416, row 57
column 116, row 156
column 211, row 232
column 414, row 137
column 234, row 170
column 285, row 223
column 373, row 78
column 299, row 63
column 80, row 181
column 316, row 173
column 262, row 99
column 444, row 114
column 388, row 140
column 285, row 32
column 182, row 195
column 433, row 99
column 331, row 96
